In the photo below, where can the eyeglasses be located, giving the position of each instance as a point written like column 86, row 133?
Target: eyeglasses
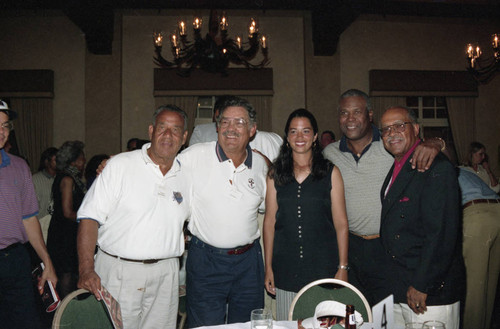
column 398, row 128
column 238, row 122
column 7, row 125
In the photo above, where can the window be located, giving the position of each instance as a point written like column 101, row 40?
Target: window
column 204, row 109
column 432, row 115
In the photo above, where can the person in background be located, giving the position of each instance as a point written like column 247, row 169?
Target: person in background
column 18, row 225
column 91, row 168
column 42, row 182
column 481, row 248
column 420, row 229
column 327, row 137
column 305, row 225
column 477, row 162
column 132, row 144
column 68, row 191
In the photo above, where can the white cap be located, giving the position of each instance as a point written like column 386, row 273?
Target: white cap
column 5, row 108
column 329, row 308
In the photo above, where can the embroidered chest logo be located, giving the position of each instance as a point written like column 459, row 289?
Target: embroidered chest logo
column 178, row 197
column 251, row 183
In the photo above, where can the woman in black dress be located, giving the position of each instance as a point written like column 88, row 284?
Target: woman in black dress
column 305, row 225
column 68, row 191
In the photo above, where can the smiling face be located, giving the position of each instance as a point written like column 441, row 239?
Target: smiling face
column 4, row 132
column 354, row 119
column 300, row 135
column 233, row 136
column 167, row 136
column 398, row 143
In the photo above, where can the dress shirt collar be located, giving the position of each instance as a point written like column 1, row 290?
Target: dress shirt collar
column 176, row 165
column 5, row 159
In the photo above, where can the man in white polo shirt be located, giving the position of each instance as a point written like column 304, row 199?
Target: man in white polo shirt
column 225, row 266
column 135, row 211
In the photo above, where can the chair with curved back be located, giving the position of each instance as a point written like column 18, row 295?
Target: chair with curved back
column 80, row 309
column 304, row 303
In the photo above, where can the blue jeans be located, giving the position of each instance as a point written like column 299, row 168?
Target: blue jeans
column 17, row 300
column 216, row 279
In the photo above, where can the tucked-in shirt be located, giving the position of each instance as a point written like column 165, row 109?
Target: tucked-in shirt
column 225, row 198
column 17, row 199
column 363, row 178
column 42, row 182
column 140, row 211
column 473, row 187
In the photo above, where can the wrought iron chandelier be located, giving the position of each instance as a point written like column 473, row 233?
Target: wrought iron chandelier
column 214, row 52
column 483, row 69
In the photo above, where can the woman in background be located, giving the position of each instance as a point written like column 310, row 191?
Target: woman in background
column 305, row 225
column 478, row 164
column 68, row 191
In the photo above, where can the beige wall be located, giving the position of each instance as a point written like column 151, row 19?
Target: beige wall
column 50, row 40
column 105, row 100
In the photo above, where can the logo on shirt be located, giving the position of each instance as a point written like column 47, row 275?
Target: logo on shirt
column 178, row 197
column 251, row 183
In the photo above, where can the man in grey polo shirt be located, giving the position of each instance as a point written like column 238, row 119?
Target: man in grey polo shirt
column 364, row 163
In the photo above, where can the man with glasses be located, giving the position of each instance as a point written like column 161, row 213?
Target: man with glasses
column 18, row 225
column 420, row 229
column 364, row 163
column 224, row 264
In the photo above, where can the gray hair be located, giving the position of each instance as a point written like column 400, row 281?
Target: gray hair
column 409, row 111
column 171, row 108
column 230, row 101
column 68, row 152
column 357, row 93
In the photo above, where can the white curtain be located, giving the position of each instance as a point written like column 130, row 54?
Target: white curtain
column 33, row 127
column 461, row 115
column 380, row 104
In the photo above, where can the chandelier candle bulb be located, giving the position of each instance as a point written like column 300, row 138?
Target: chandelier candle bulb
column 158, row 39
column 197, row 23
column 238, row 42
column 223, row 23
column 173, row 39
column 495, row 41
column 182, row 28
column 263, row 40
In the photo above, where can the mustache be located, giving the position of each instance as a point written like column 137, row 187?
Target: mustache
column 231, row 133
column 394, row 138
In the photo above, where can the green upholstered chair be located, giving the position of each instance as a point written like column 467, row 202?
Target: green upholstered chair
column 80, row 309
column 304, row 304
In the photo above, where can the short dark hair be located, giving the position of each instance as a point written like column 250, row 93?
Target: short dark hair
column 129, row 144
column 46, row 156
column 357, row 93
column 229, row 101
column 171, row 108
column 329, row 132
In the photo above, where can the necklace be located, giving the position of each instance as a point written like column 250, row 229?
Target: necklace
column 362, row 149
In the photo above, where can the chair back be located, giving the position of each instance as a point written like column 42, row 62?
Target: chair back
column 304, row 303
column 80, row 309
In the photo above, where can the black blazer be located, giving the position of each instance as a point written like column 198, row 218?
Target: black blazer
column 421, row 233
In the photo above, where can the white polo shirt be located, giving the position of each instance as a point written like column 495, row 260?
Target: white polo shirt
column 141, row 212
column 225, row 199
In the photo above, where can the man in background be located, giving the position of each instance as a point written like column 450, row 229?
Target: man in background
column 42, row 182
column 327, row 137
column 18, row 225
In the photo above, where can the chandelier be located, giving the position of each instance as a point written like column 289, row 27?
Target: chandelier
column 214, row 52
column 483, row 69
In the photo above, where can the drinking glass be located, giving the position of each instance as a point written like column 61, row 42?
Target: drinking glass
column 261, row 319
column 433, row 325
column 414, row 325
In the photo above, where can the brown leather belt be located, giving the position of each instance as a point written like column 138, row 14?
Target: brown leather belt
column 143, row 261
column 367, row 237
column 476, row 201
column 229, row 251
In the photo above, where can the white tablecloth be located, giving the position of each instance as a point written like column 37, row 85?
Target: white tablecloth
column 246, row 325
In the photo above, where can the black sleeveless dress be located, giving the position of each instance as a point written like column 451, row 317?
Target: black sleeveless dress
column 305, row 242
column 61, row 238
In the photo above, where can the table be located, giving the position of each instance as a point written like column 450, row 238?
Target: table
column 246, row 325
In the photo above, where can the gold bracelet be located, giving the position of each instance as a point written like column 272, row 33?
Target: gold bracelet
column 442, row 141
column 344, row 267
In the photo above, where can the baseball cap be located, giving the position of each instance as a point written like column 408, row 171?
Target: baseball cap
column 329, row 308
column 5, row 108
